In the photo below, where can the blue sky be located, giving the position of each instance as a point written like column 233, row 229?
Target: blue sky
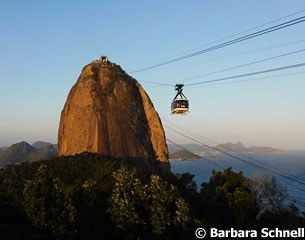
column 45, row 44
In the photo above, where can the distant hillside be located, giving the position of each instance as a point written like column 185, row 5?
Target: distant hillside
column 23, row 151
column 56, row 147
column 183, row 155
column 235, row 147
column 239, row 147
column 265, row 150
column 2, row 149
column 42, row 153
column 41, row 144
column 225, row 147
column 194, row 148
column 17, row 152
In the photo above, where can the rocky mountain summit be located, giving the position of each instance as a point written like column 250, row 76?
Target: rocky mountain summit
column 16, row 152
column 108, row 112
column 23, row 152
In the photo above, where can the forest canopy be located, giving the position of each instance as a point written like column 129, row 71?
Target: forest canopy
column 88, row 196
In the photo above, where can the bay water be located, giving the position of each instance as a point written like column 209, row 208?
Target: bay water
column 258, row 165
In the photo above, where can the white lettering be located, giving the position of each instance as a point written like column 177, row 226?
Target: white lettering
column 278, row 233
column 294, row 233
column 232, row 233
column 253, row 234
column 265, row 233
column 213, row 232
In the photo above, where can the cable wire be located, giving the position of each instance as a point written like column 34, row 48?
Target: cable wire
column 209, row 161
column 288, row 197
column 205, row 140
column 234, row 41
column 239, row 33
column 241, row 81
column 228, row 69
column 244, row 65
column 247, row 30
column 235, row 157
column 252, row 51
column 298, row 202
column 255, row 79
column 249, row 74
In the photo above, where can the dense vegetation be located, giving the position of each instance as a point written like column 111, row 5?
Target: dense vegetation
column 89, row 196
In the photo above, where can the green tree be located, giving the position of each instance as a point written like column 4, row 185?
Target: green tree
column 167, row 208
column 274, row 210
column 140, row 209
column 271, row 195
column 46, row 205
column 128, row 202
column 229, row 199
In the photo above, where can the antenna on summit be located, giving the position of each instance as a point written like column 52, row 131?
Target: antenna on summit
column 104, row 60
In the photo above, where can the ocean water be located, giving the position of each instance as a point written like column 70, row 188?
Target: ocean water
column 292, row 162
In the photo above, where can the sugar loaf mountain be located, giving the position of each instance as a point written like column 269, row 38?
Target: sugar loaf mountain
column 108, row 112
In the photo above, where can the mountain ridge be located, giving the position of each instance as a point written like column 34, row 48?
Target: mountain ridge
column 45, row 150
column 25, row 152
column 224, row 147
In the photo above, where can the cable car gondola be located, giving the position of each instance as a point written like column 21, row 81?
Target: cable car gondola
column 180, row 104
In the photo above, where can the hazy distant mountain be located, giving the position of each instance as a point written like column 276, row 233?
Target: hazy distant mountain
column 22, row 151
column 42, row 153
column 234, row 147
column 2, row 149
column 225, row 147
column 40, row 144
column 56, row 147
column 183, row 155
column 239, row 147
column 16, row 153
column 194, row 148
column 265, row 150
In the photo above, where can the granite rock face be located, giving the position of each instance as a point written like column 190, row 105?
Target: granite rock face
column 108, row 112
